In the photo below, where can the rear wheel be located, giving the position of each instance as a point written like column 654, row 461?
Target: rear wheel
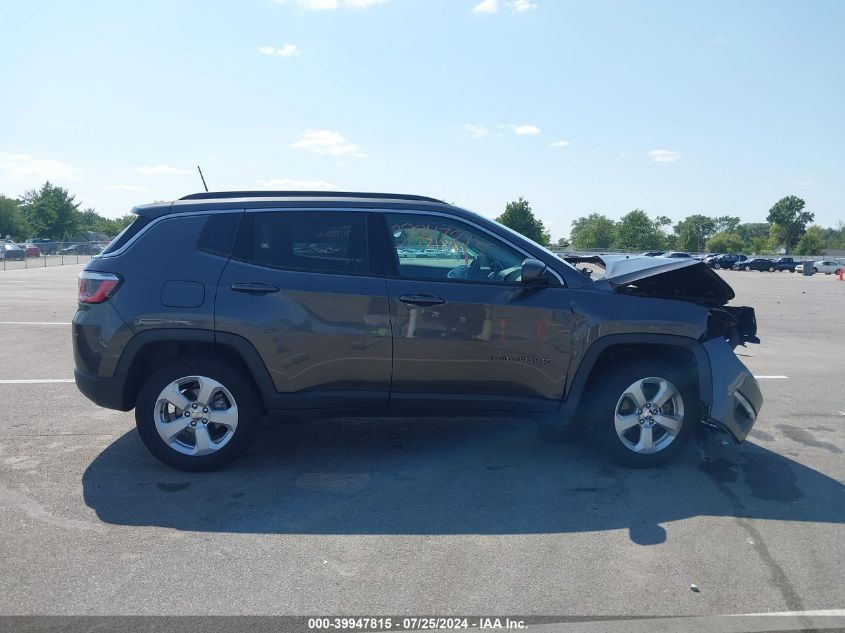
column 747, row 268
column 644, row 413
column 197, row 414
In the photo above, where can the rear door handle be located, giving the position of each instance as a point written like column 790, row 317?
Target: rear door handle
column 421, row 301
column 254, row 288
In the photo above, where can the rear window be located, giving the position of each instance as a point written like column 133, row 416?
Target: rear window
column 219, row 233
column 127, row 234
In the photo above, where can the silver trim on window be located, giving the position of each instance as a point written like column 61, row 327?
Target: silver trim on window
column 182, row 214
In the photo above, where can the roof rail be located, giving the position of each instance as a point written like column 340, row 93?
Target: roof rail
column 215, row 195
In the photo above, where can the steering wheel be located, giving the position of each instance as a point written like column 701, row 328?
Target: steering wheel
column 496, row 269
column 474, row 268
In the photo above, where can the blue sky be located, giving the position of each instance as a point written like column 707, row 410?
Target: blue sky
column 673, row 107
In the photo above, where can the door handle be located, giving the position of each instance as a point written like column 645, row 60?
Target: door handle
column 254, row 288
column 421, row 301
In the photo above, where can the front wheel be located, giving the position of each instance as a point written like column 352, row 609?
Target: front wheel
column 815, row 270
column 771, row 269
column 747, row 268
column 644, row 413
column 197, row 414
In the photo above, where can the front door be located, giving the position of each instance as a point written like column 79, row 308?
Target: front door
column 467, row 335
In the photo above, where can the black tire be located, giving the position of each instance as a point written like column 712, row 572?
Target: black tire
column 242, row 390
column 771, row 269
column 815, row 270
column 747, row 268
column 606, row 393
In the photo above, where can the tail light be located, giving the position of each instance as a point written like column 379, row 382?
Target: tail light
column 96, row 287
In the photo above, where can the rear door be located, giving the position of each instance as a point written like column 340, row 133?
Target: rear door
column 300, row 289
column 467, row 335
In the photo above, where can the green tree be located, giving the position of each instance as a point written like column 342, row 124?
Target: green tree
column 812, row 242
column 519, row 217
column 12, row 221
column 791, row 220
column 90, row 220
column 51, row 212
column 725, row 243
column 693, row 232
column 727, row 224
column 761, row 245
column 563, row 242
column 834, row 237
column 636, row 231
column 750, row 230
column 593, row 232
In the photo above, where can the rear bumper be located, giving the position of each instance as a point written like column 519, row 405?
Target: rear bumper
column 737, row 399
column 105, row 392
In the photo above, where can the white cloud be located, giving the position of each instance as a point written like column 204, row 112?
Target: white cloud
column 525, row 130
column 476, row 131
column 560, row 143
column 297, row 185
column 486, row 6
column 328, row 5
column 159, row 170
column 493, row 6
column 25, row 167
column 128, row 188
column 521, row 6
column 327, row 143
column 664, row 156
column 286, row 50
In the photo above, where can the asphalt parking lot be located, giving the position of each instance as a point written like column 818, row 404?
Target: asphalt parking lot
column 431, row 516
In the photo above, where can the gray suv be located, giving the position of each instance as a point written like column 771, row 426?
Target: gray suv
column 210, row 311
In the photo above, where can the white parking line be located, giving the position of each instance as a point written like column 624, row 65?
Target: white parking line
column 35, row 381
column 772, row 377
column 34, row 323
column 816, row 612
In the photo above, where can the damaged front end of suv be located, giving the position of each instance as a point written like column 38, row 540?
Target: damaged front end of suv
column 687, row 300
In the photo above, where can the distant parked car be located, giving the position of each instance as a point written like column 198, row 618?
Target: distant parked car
column 725, row 261
column 10, row 250
column 677, row 255
column 826, row 266
column 84, row 248
column 31, row 250
column 653, row 253
column 758, row 263
column 46, row 246
column 786, row 263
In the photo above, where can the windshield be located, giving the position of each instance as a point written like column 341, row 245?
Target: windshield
column 557, row 256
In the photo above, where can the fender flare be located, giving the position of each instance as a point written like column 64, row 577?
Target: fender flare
column 578, row 381
column 239, row 345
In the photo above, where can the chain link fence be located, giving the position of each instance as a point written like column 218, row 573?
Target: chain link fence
column 21, row 256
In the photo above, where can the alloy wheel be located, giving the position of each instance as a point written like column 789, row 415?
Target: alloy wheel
column 649, row 415
column 196, row 415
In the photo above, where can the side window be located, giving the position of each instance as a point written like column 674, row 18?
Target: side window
column 125, row 235
column 439, row 248
column 322, row 242
column 219, row 233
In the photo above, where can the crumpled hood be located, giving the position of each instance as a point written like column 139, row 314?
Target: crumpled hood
column 670, row 278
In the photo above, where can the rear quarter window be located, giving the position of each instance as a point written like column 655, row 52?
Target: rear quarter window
column 127, row 234
column 218, row 236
